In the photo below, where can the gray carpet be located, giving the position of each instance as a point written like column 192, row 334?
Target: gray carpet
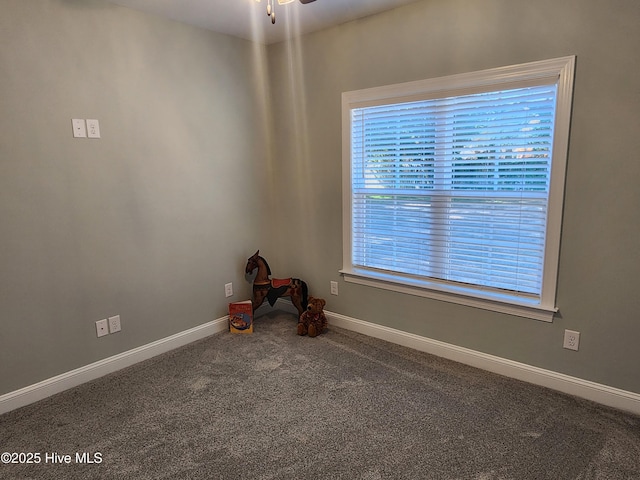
column 274, row 405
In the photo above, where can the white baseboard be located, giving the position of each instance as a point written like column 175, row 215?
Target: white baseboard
column 603, row 394
column 60, row 383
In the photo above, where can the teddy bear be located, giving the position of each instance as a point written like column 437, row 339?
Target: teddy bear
column 312, row 321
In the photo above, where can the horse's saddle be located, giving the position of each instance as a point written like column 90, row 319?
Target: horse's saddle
column 280, row 282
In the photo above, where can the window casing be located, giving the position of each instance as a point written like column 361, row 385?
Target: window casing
column 453, row 187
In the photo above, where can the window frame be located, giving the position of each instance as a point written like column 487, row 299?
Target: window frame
column 558, row 71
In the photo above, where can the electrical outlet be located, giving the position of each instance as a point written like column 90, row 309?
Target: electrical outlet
column 114, row 324
column 334, row 288
column 93, row 128
column 102, row 328
column 228, row 289
column 571, row 340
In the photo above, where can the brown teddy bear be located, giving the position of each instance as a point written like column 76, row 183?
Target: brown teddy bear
column 313, row 321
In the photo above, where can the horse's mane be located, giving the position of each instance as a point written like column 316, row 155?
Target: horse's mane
column 265, row 264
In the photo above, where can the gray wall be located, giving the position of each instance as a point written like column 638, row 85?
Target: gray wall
column 599, row 271
column 148, row 222
column 151, row 220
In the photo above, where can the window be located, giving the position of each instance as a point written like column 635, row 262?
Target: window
column 453, row 187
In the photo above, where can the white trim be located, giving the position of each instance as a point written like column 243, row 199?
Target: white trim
column 558, row 173
column 603, row 394
column 65, row 381
column 510, row 76
column 432, row 291
column 596, row 392
column 558, row 71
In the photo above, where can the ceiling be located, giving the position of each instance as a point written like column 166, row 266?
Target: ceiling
column 248, row 18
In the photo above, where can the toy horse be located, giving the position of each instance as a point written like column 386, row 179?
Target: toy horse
column 273, row 288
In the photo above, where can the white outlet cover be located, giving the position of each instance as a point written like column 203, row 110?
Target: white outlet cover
column 571, row 340
column 79, row 128
column 102, row 328
column 93, row 128
column 114, row 324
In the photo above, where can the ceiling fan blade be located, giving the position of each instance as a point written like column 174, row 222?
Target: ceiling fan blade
column 306, row 1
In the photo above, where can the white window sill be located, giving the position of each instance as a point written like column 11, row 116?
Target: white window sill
column 486, row 300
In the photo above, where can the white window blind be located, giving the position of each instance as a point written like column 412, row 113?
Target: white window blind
column 455, row 189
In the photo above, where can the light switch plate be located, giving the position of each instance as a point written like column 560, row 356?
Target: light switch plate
column 93, row 128
column 79, row 128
